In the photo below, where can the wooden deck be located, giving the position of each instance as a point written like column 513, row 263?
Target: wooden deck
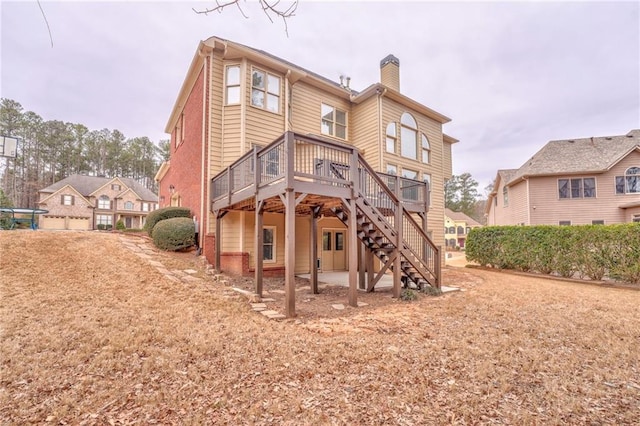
column 304, row 175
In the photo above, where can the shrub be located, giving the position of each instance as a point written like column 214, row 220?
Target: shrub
column 162, row 214
column 120, row 225
column 408, row 295
column 174, row 234
column 592, row 251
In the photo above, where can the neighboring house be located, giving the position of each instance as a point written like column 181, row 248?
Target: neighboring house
column 457, row 226
column 266, row 154
column 89, row 202
column 571, row 182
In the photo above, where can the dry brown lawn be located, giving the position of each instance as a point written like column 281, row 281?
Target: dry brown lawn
column 91, row 333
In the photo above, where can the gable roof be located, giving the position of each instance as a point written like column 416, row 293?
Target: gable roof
column 295, row 72
column 61, row 189
column 86, row 185
column 579, row 156
column 460, row 217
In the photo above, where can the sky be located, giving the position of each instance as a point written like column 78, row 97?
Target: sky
column 511, row 75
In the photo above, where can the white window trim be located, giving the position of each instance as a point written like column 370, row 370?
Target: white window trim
column 226, row 85
column 66, row 197
column 332, row 131
column 266, row 91
column 274, row 251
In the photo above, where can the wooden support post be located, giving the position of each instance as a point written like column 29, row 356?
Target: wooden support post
column 362, row 253
column 219, row 216
column 353, row 254
column 369, row 266
column 290, row 253
column 397, row 271
column 259, row 247
column 313, row 252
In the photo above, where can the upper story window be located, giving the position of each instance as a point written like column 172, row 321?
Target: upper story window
column 128, row 205
column 334, row 121
column 505, row 196
column 577, row 188
column 408, row 136
column 426, row 149
column 145, row 207
column 115, row 187
column 630, row 182
column 392, row 137
column 67, row 200
column 104, row 202
column 265, row 91
column 232, row 83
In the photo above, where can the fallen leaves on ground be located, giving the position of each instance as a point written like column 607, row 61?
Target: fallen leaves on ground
column 91, row 333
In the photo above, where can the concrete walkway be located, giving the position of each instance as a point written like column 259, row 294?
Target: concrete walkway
column 341, row 278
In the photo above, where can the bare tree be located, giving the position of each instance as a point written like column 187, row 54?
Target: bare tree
column 274, row 9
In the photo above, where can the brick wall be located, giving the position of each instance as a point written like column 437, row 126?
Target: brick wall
column 186, row 158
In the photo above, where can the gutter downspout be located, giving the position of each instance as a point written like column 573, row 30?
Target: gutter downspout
column 528, row 202
column 203, row 152
column 380, row 129
column 286, row 101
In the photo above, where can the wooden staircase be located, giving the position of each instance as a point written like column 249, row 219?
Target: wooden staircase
column 388, row 230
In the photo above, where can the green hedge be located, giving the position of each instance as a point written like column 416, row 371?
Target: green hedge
column 174, row 234
column 587, row 251
column 162, row 214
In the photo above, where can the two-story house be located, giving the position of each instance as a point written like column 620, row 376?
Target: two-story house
column 84, row 202
column 571, row 182
column 290, row 172
column 457, row 226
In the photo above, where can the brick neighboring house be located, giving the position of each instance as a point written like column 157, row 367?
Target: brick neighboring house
column 84, row 202
column 266, row 154
column 571, row 182
column 457, row 226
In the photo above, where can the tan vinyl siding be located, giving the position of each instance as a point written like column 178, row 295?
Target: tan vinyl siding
column 216, row 99
column 366, row 131
column 550, row 209
column 303, row 244
column 231, row 232
column 447, row 162
column 391, row 112
column 306, row 101
column 231, row 140
column 262, row 126
column 269, row 220
column 515, row 212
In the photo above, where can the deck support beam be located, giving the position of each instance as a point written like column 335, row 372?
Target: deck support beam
column 259, row 247
column 353, row 254
column 219, row 215
column 290, row 252
column 313, row 252
column 397, row 264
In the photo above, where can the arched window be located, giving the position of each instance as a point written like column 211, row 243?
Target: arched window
column 426, row 149
column 128, row 205
column 392, row 137
column 104, row 202
column 452, row 230
column 408, row 136
column 460, row 230
column 630, row 182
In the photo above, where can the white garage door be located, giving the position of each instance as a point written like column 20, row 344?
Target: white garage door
column 79, row 223
column 52, row 222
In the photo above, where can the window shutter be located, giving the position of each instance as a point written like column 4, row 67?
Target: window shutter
column 73, row 200
column 62, row 199
column 111, row 205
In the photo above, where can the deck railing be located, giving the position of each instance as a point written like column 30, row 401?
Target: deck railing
column 310, row 159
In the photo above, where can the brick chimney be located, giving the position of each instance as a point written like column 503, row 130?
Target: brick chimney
column 390, row 72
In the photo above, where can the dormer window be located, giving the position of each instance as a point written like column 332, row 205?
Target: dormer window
column 265, row 91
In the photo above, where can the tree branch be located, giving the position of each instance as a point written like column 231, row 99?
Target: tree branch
column 271, row 8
